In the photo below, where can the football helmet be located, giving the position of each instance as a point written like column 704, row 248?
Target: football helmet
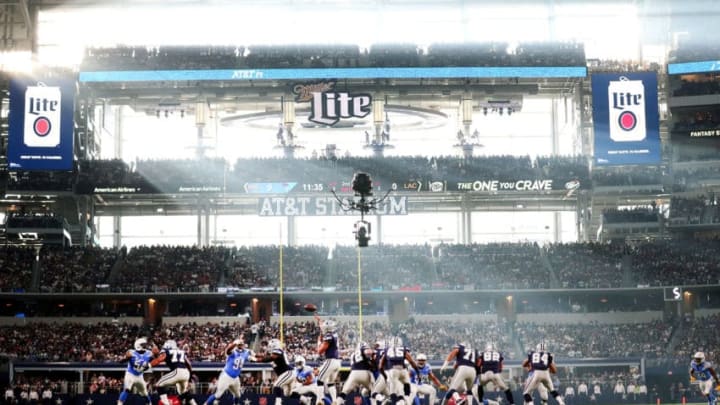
column 170, row 345
column 396, row 341
column 489, row 347
column 140, row 344
column 275, row 344
column 541, row 347
column 327, row 326
column 299, row 361
column 699, row 357
column 421, row 357
column 380, row 345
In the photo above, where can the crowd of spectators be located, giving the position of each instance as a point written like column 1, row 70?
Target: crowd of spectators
column 17, row 264
column 595, row 340
column 688, row 210
column 688, row 177
column 621, row 66
column 587, row 265
column 333, row 56
column 76, row 269
column 492, row 266
column 636, row 215
column 385, row 267
column 639, row 175
column 171, row 268
column 702, row 333
column 697, row 87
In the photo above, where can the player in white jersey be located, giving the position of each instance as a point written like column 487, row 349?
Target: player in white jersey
column 179, row 375
column 541, row 363
column 703, row 373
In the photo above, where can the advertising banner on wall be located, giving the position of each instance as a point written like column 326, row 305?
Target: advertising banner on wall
column 626, row 120
column 323, row 206
column 41, row 124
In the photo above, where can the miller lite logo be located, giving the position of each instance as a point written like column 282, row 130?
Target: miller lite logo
column 626, row 99
column 42, row 116
column 327, row 106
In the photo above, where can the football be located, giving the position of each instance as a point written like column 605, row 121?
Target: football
column 310, row 307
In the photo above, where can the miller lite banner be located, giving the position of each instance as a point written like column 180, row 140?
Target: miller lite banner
column 625, row 114
column 328, row 106
column 41, row 125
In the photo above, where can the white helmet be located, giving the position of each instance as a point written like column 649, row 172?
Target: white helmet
column 421, row 357
column 170, row 345
column 327, row 326
column 489, row 347
column 275, row 344
column 541, row 347
column 140, row 344
column 396, row 341
column 299, row 361
column 699, row 357
column 380, row 345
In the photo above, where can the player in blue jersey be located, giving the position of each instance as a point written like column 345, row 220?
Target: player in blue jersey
column 489, row 369
column 398, row 377
column 465, row 372
column 229, row 380
column 362, row 366
column 541, row 363
column 328, row 348
column 421, row 380
column 179, row 375
column 702, row 372
column 283, row 370
column 305, row 382
column 138, row 361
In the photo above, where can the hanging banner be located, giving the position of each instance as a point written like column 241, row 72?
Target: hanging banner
column 626, row 120
column 41, row 124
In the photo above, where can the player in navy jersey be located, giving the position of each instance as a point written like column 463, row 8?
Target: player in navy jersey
column 465, row 372
column 422, row 379
column 362, row 366
column 328, row 348
column 229, row 380
column 179, row 375
column 398, row 377
column 702, row 372
column 541, row 363
column 284, row 380
column 138, row 361
column 489, row 369
column 380, row 388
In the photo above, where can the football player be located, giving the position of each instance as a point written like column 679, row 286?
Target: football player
column 179, row 375
column 422, row 377
column 398, row 377
column 362, row 366
column 285, row 377
column 702, row 372
column 138, row 361
column 305, row 382
column 540, row 388
column 328, row 348
column 490, row 364
column 380, row 389
column 229, row 379
column 541, row 363
column 465, row 372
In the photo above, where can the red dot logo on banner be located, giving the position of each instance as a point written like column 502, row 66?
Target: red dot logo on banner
column 627, row 120
column 42, row 126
